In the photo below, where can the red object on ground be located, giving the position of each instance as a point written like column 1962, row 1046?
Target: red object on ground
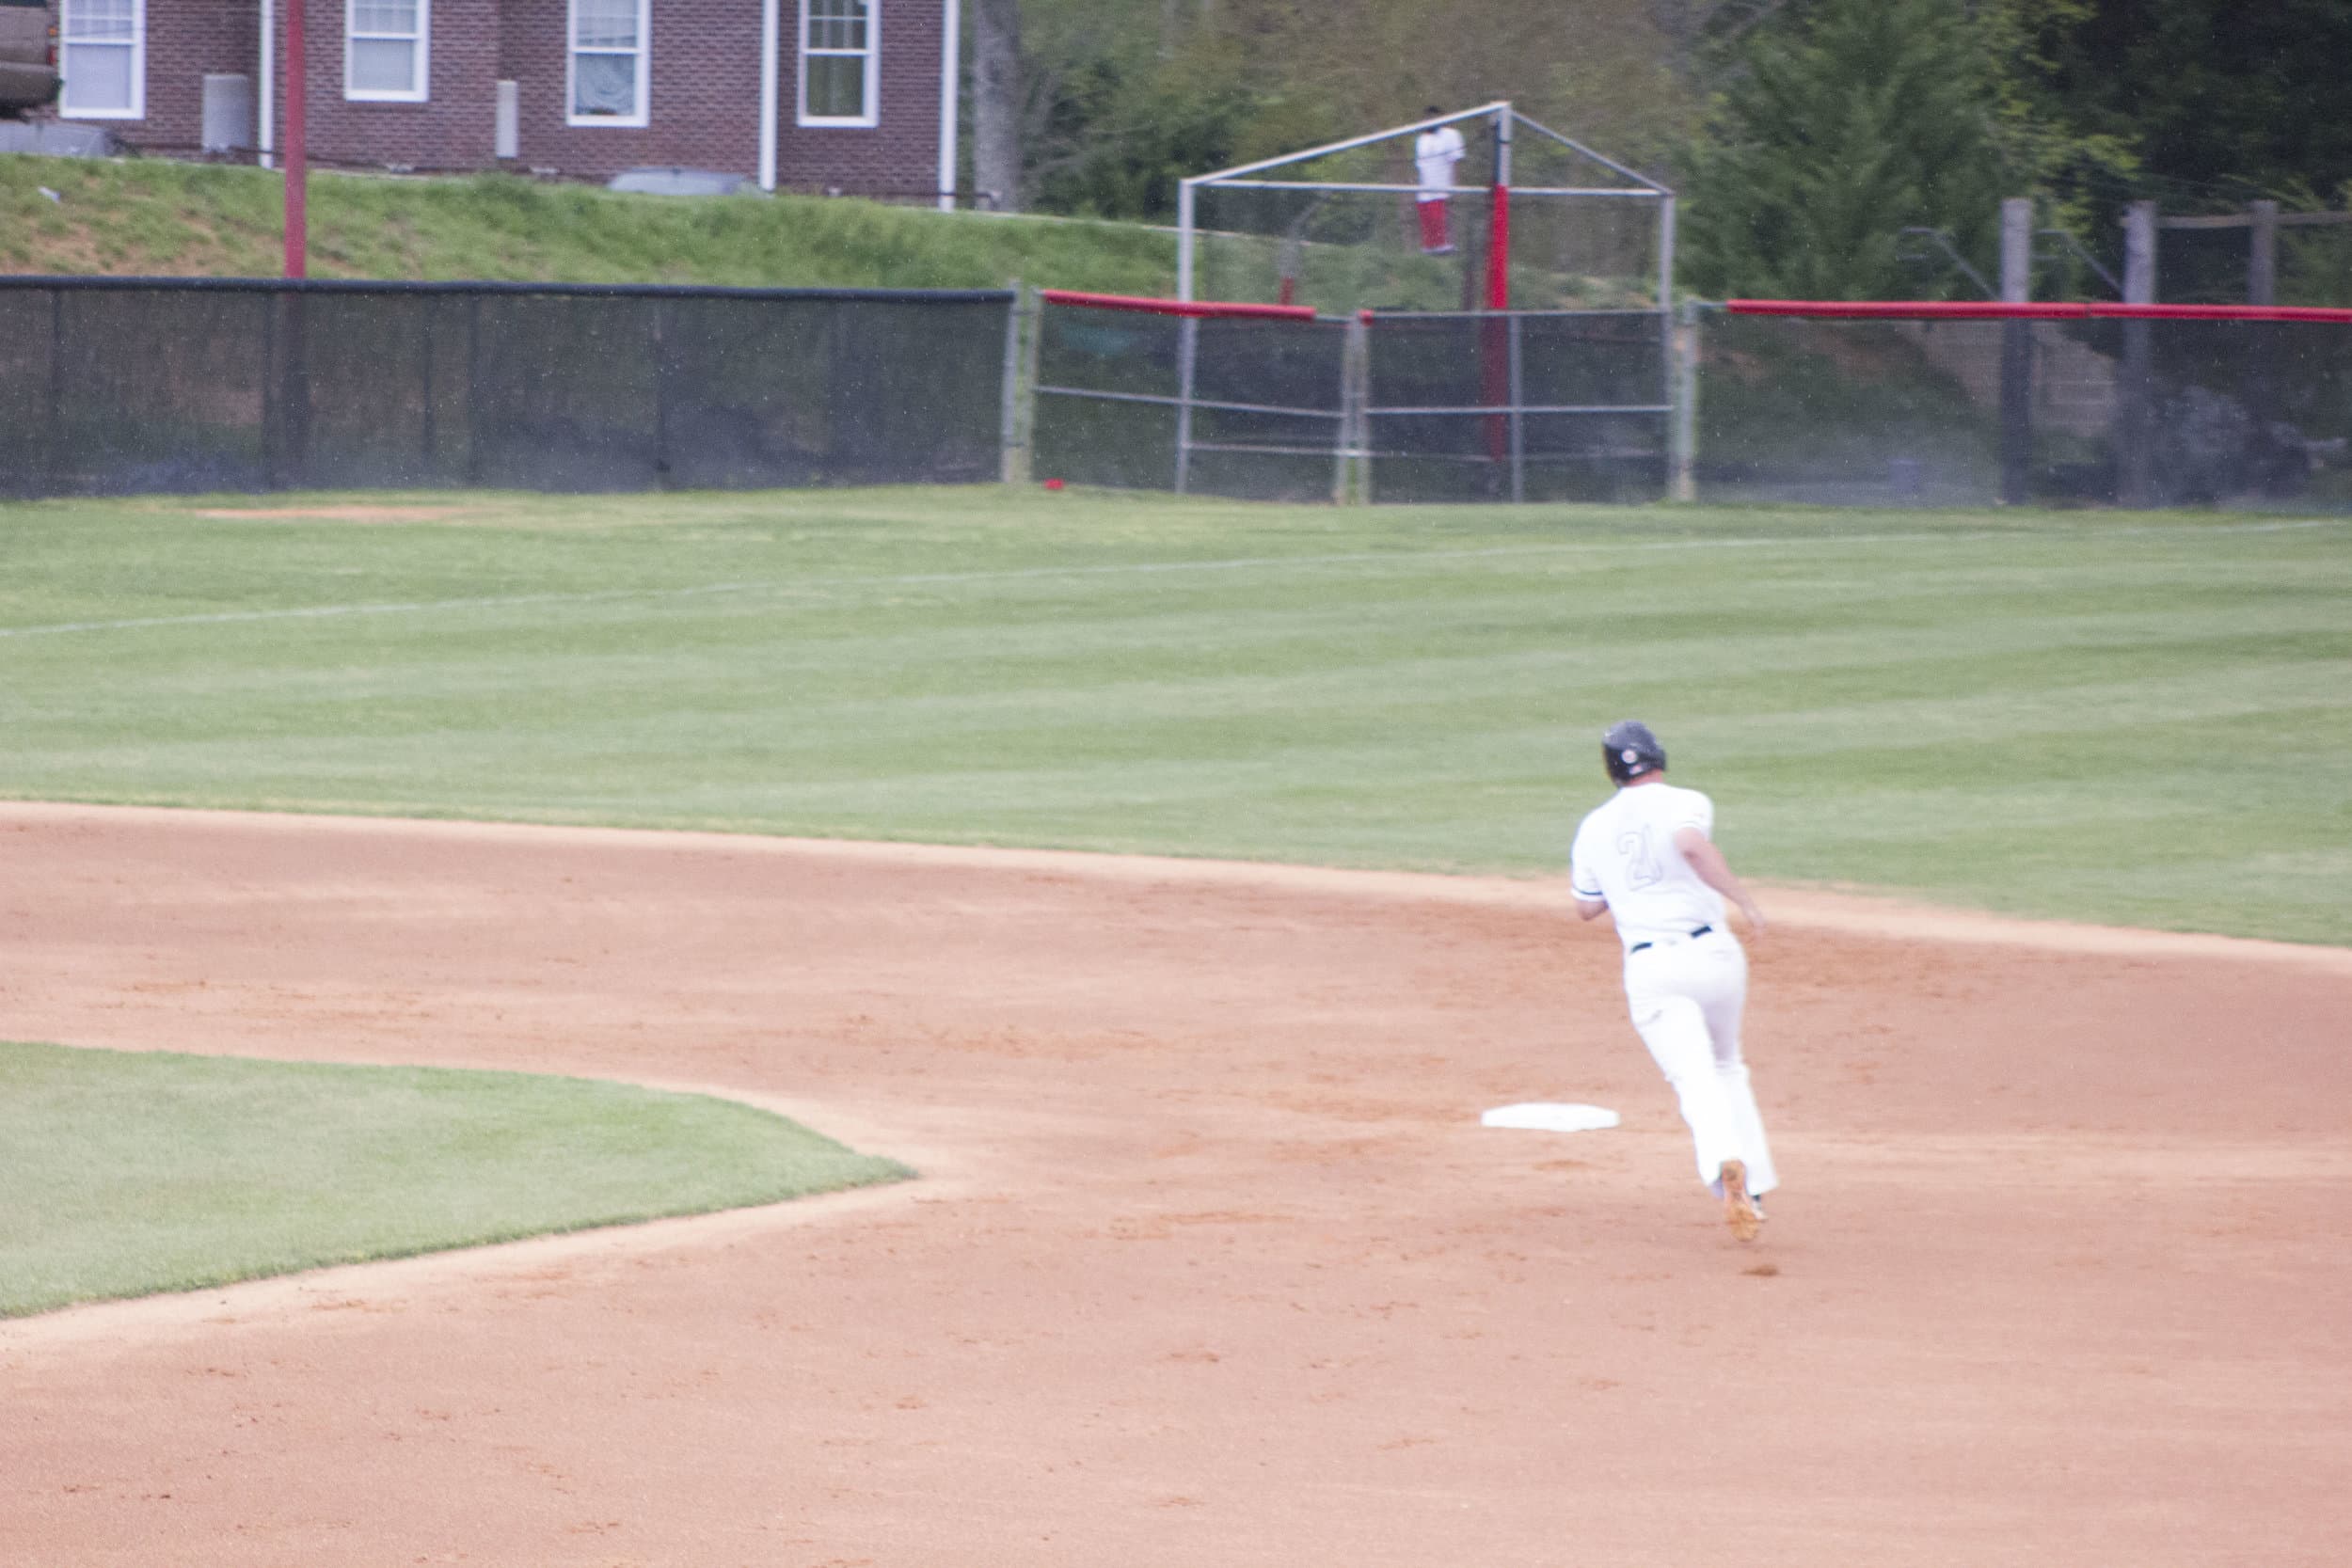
column 1175, row 307
column 1052, row 484
column 1988, row 309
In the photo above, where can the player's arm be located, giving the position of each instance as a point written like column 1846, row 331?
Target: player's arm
column 1716, row 873
column 1590, row 905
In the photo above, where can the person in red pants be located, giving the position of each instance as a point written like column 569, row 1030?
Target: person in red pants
column 1436, row 153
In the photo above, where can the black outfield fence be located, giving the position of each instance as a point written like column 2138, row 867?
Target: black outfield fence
column 121, row 385
column 1223, row 404
column 1518, row 405
column 1910, row 404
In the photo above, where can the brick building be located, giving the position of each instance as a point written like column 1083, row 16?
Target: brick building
column 856, row 96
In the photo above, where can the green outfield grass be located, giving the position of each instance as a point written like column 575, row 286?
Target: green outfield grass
column 2136, row 718
column 130, row 1174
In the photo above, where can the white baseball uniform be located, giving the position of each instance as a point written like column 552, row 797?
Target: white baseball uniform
column 1686, row 975
column 1435, row 153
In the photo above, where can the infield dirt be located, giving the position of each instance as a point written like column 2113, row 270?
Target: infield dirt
column 1212, row 1262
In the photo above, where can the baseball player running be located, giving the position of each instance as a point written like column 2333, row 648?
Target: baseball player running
column 1647, row 857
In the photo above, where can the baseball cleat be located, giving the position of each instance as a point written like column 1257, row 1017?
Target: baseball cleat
column 1740, row 1209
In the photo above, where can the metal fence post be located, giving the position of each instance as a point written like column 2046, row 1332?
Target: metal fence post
column 1682, row 428
column 1031, row 358
column 1187, row 354
column 1185, row 208
column 1349, row 457
column 2135, row 419
column 1518, row 417
column 2016, row 353
column 2262, row 259
column 1009, row 427
column 1360, row 440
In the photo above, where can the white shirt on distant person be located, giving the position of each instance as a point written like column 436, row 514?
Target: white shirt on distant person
column 1436, row 153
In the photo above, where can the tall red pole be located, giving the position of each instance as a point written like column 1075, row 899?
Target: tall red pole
column 1499, row 250
column 297, row 173
column 1495, row 345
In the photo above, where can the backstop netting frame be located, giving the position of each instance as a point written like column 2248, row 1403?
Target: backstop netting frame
column 1274, row 402
column 1520, row 348
column 1316, row 226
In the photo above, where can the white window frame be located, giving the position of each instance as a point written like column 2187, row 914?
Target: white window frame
column 422, row 88
column 873, row 116
column 644, row 116
column 137, row 46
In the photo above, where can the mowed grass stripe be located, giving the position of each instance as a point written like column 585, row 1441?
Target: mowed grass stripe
column 132, row 1173
column 854, row 587
column 2001, row 709
column 950, row 637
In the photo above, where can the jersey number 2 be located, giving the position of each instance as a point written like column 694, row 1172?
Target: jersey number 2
column 1640, row 857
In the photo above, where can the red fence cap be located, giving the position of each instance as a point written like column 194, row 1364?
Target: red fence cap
column 1176, row 307
column 1991, row 310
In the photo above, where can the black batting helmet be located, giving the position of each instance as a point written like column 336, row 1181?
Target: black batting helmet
column 1629, row 750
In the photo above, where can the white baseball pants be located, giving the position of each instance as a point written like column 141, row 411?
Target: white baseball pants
column 1686, row 995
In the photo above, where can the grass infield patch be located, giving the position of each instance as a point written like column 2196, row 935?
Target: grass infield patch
column 127, row 1174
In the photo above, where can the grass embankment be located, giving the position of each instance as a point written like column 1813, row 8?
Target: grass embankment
column 166, row 219
column 132, row 1174
column 2144, row 720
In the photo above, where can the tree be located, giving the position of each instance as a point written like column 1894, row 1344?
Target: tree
column 1119, row 99
column 998, row 103
column 2220, row 98
column 1849, row 121
column 2076, row 174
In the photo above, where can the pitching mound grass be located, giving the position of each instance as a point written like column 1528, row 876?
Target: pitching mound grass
column 127, row 1174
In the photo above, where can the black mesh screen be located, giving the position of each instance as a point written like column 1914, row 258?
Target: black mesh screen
column 1266, row 398
column 111, row 386
column 1107, row 381
column 1532, row 406
column 2161, row 413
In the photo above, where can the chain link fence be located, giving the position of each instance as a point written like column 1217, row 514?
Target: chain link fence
column 125, row 386
column 2072, row 407
column 113, row 385
column 1216, row 403
column 1517, row 405
column 1278, row 403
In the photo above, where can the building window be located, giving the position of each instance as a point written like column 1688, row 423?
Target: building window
column 840, row 56
column 387, row 50
column 103, row 49
column 608, row 62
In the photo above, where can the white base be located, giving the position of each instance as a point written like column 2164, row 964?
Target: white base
column 1541, row 1118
